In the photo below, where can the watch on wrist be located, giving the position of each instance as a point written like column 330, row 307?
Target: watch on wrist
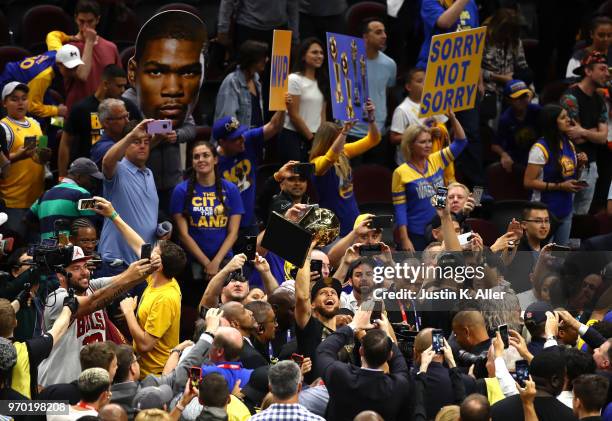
column 178, row 351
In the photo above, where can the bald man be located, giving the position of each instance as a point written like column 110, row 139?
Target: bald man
column 475, row 408
column 368, row 416
column 472, row 337
column 112, row 412
column 242, row 319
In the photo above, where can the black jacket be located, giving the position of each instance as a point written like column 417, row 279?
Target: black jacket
column 353, row 389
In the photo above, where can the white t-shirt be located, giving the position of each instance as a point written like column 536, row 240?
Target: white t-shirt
column 405, row 115
column 72, row 415
column 63, row 366
column 311, row 101
column 537, row 157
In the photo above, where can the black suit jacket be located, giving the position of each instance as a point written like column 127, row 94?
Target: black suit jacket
column 353, row 389
column 250, row 357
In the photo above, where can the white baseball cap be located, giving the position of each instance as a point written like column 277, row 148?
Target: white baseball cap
column 78, row 255
column 69, row 56
column 3, row 218
column 11, row 86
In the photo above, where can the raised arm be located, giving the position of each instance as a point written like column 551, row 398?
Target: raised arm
column 303, row 307
column 83, row 70
column 63, row 155
column 105, row 208
column 117, row 151
column 325, row 162
column 275, row 125
column 372, row 138
column 269, row 281
column 120, row 284
column 210, row 298
column 447, row 19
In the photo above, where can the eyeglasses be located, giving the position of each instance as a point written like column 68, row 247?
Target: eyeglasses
column 538, row 221
column 121, row 117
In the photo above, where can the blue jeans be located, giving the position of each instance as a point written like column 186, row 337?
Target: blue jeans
column 562, row 233
column 583, row 199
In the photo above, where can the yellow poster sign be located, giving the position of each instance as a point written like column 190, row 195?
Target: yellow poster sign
column 453, row 70
column 279, row 69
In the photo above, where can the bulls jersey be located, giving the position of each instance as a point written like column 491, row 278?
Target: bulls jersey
column 62, row 366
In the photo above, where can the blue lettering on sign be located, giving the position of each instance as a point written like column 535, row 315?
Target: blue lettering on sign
column 451, row 98
column 280, row 70
column 453, row 48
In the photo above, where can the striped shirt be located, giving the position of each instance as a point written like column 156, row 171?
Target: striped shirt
column 285, row 412
column 60, row 202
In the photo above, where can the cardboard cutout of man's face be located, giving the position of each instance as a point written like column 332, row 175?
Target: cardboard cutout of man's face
column 167, row 77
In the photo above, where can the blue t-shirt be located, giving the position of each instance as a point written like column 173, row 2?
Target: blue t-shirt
column 336, row 194
column 517, row 137
column 382, row 73
column 27, row 69
column 241, row 170
column 132, row 192
column 207, row 224
column 431, row 10
column 232, row 371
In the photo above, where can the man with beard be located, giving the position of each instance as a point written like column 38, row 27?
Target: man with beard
column 91, row 323
column 315, row 313
column 588, row 111
column 167, row 71
column 360, row 276
column 242, row 319
column 535, row 227
column 293, row 189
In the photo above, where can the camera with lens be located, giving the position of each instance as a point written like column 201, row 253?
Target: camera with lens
column 405, row 340
column 48, row 256
column 467, row 359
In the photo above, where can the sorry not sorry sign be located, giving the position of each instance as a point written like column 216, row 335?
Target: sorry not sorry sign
column 279, row 72
column 453, row 70
column 347, row 76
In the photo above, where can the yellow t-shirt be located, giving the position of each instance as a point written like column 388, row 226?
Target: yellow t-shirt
column 25, row 180
column 20, row 378
column 159, row 314
column 236, row 410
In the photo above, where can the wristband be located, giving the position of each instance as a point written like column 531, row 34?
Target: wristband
column 113, row 216
column 178, row 351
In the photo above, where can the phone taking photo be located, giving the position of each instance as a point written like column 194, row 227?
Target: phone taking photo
column 477, row 195
column 297, row 358
column 250, row 247
column 316, row 265
column 86, row 204
column 440, row 197
column 381, row 221
column 377, row 311
column 195, row 377
column 437, row 341
column 522, row 372
column 503, row 332
column 145, row 251
column 159, row 127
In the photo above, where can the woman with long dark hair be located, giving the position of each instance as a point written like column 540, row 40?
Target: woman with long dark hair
column 308, row 87
column 333, row 174
column 600, row 36
column 552, row 168
column 207, row 210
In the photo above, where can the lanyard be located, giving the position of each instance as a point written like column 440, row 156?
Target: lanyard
column 230, row 366
column 83, row 405
column 417, row 318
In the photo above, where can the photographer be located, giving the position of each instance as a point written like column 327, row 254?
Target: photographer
column 353, row 389
column 92, row 323
column 436, row 385
column 293, row 186
column 22, row 283
column 32, row 352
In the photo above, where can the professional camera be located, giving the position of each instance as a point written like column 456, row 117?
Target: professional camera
column 48, row 256
column 467, row 359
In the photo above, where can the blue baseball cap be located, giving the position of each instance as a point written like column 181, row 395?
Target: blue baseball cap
column 228, row 128
column 516, row 88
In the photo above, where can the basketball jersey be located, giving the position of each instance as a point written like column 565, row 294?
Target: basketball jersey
column 25, row 180
column 27, row 69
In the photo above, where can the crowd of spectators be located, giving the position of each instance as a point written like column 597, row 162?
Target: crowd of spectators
column 140, row 281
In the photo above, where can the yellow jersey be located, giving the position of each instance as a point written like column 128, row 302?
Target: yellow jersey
column 25, row 180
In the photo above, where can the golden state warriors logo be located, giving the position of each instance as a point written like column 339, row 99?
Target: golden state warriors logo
column 240, row 175
column 567, row 166
column 95, row 125
column 211, row 215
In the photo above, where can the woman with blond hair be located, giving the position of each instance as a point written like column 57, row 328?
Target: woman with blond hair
column 416, row 181
column 333, row 174
column 153, row 415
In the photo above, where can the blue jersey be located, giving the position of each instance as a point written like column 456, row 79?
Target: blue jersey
column 27, row 69
column 336, row 194
column 559, row 202
column 431, row 10
column 412, row 190
column 241, row 170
